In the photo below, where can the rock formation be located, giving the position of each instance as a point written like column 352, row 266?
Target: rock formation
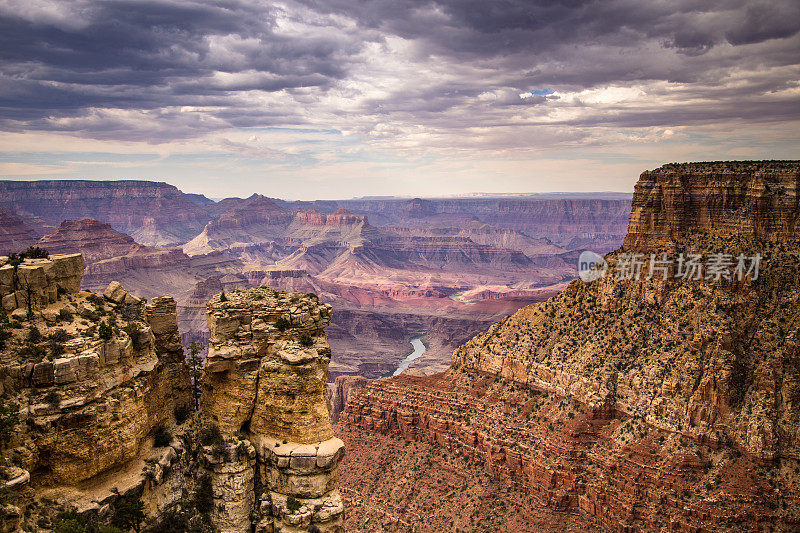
column 642, row 403
column 36, row 283
column 155, row 214
column 93, row 378
column 95, row 240
column 751, row 199
column 265, row 379
column 15, row 235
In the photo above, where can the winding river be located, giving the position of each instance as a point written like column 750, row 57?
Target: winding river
column 419, row 349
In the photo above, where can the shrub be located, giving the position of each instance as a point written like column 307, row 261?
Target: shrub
column 182, row 412
column 306, row 341
column 105, row 331
column 210, row 435
column 204, row 499
column 162, row 437
column 109, row 529
column 34, row 252
column 222, row 297
column 34, row 335
column 293, row 503
column 133, row 330
column 65, row 315
column 71, row 525
column 282, row 324
column 52, row 398
column 128, row 512
column 59, row 335
column 4, row 336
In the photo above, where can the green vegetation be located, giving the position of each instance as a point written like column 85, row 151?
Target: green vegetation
column 9, row 418
column 105, row 331
column 52, row 398
column 204, row 498
column 222, row 297
column 195, row 363
column 133, row 330
column 182, row 413
column 293, row 503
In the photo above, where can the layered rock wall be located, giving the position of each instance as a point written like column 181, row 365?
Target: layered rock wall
column 757, row 199
column 90, row 398
column 35, row 283
column 265, row 380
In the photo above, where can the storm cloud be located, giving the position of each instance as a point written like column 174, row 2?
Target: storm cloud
column 410, row 76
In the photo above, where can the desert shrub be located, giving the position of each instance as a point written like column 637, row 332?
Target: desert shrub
column 222, row 297
column 282, row 324
column 182, row 412
column 293, row 503
column 70, row 525
column 306, row 341
column 65, row 315
column 128, row 512
column 4, row 336
column 52, row 398
column 34, row 252
column 210, row 435
column 220, row 451
column 162, row 437
column 133, row 330
column 32, row 351
column 241, row 450
column 34, row 335
column 109, row 529
column 105, row 331
column 96, row 300
column 174, row 521
column 9, row 418
column 59, row 335
column 204, row 498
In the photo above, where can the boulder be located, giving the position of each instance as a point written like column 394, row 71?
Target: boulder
column 115, row 292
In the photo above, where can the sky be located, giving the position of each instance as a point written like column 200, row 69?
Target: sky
column 314, row 99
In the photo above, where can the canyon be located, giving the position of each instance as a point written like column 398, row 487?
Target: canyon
column 646, row 399
column 626, row 404
column 98, row 423
column 445, row 267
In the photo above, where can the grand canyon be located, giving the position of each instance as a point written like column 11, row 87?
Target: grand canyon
column 241, row 378
column 393, row 268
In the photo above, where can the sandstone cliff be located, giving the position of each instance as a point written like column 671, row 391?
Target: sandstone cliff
column 93, row 377
column 643, row 403
column 265, row 379
column 153, row 213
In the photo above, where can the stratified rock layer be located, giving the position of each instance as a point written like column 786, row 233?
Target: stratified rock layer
column 265, row 379
column 89, row 396
column 646, row 403
column 757, row 199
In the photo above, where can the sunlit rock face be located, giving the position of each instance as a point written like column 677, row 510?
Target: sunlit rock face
column 638, row 401
column 265, row 380
column 757, row 199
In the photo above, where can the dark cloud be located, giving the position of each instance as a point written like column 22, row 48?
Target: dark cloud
column 162, row 70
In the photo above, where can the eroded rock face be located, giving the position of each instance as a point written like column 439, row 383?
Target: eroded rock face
column 641, row 402
column 36, row 283
column 265, row 379
column 90, row 400
column 757, row 199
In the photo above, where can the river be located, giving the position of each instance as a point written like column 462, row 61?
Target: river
column 419, row 349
